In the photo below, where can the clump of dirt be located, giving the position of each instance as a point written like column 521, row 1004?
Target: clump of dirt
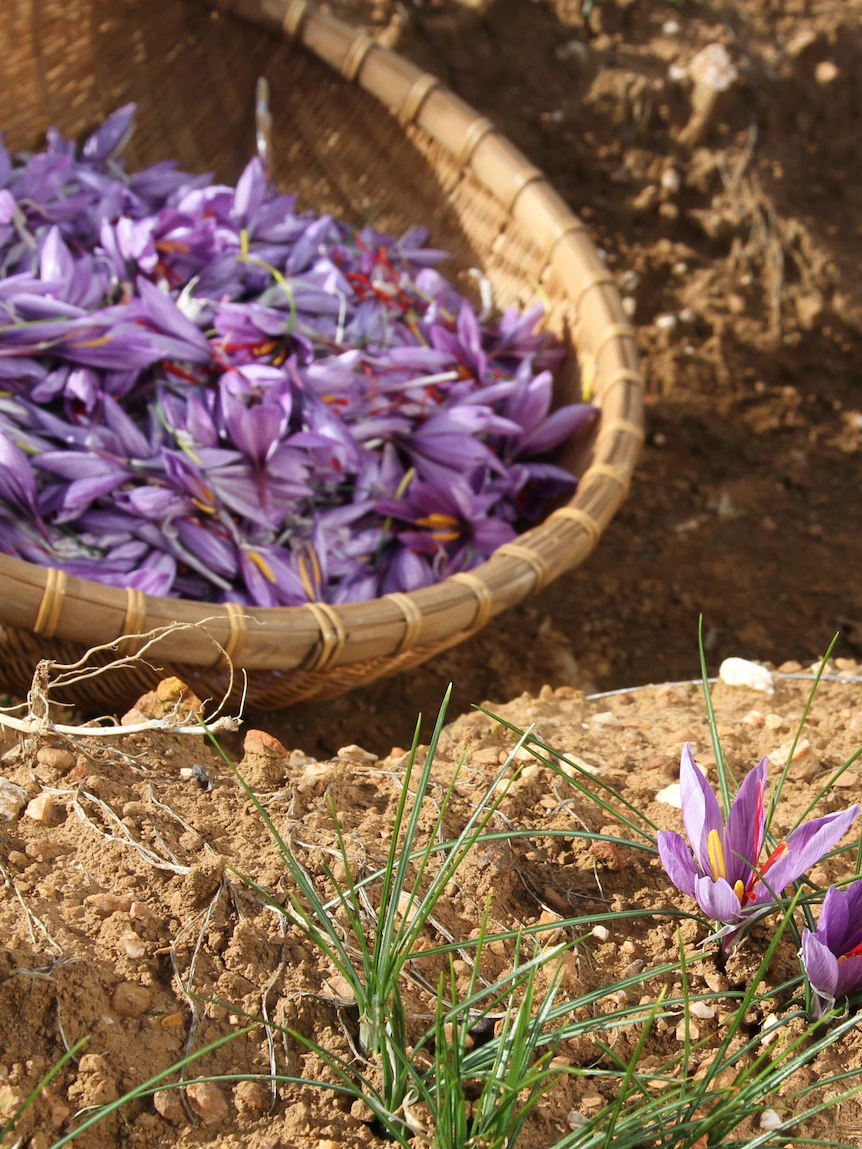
column 737, row 248
column 124, row 917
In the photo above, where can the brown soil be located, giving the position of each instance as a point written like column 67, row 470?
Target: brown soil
column 121, row 917
column 746, row 505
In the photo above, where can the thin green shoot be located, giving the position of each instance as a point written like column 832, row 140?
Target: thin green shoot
column 37, row 1089
column 150, row 1085
column 720, row 761
column 776, row 793
column 530, row 739
column 616, row 1108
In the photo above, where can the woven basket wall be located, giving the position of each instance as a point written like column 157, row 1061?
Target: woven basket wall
column 359, row 132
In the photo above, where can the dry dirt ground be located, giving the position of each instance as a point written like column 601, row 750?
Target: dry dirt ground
column 746, row 287
column 123, row 916
column 738, row 243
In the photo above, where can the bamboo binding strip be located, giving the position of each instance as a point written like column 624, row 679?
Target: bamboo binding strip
column 433, row 159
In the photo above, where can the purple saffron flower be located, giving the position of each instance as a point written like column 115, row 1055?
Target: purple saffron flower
column 832, row 955
column 725, row 876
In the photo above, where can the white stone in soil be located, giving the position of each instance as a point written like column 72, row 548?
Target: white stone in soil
column 13, row 799
column 769, row 1119
column 741, row 672
column 670, row 796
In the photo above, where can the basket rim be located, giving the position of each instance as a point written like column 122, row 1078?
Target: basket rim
column 317, row 635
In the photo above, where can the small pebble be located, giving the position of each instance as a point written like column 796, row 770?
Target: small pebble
column 712, row 68
column 601, row 932
column 635, row 967
column 779, row 756
column 576, row 1120
column 754, row 718
column 670, row 796
column 250, row 1095
column 568, row 764
column 108, row 903
column 45, row 809
column 849, row 780
column 606, row 718
column 132, row 944
column 773, row 722
column 55, row 758
column 702, row 1010
column 670, row 180
column 742, row 672
column 12, row 800
column 630, row 306
column 171, row 1021
column 769, row 1119
column 130, row 999
column 207, row 1101
column 689, row 1028
column 356, row 754
column 168, row 1105
column 769, row 1022
column 666, row 322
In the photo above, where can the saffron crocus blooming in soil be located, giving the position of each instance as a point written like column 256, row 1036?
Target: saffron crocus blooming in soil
column 206, row 392
column 721, row 868
column 832, row 954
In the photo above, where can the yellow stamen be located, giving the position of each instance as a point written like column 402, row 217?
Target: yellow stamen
column 436, row 520
column 100, row 342
column 169, row 245
column 739, row 889
column 243, row 243
column 409, row 476
column 310, row 578
column 716, row 855
column 203, row 507
column 262, row 565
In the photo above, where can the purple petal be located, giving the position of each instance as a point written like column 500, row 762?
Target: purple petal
column 55, row 260
column 250, row 192
column 744, row 835
column 717, row 900
column 7, row 207
column 677, row 861
column 109, row 138
column 164, row 313
column 849, row 976
column 821, row 969
column 700, row 810
column 805, row 847
column 215, row 552
column 834, row 924
column 558, row 427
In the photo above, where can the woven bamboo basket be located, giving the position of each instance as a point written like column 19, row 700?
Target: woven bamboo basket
column 360, row 132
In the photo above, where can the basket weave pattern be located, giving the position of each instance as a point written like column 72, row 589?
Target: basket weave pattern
column 423, row 157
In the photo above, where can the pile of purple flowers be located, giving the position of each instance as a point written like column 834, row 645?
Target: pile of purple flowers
column 206, row 393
